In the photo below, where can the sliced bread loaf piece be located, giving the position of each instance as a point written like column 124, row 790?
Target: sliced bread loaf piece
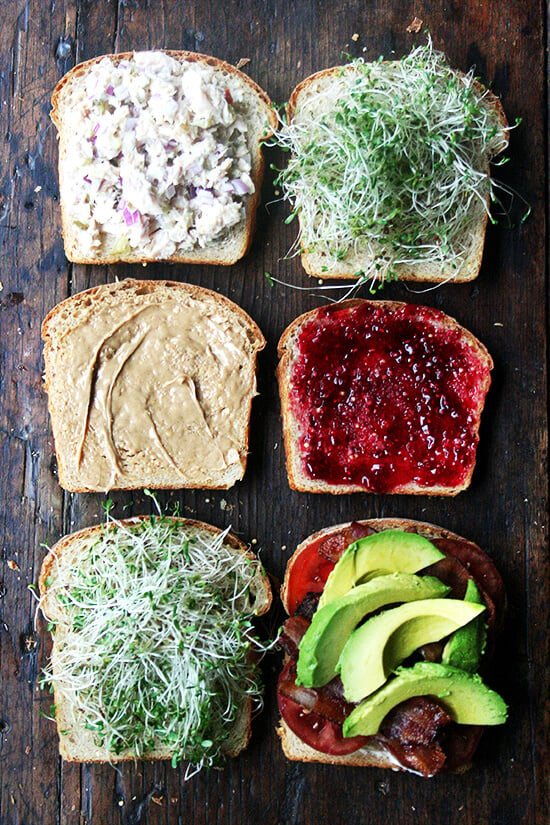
column 159, row 158
column 150, row 384
column 311, row 718
column 381, row 396
column 140, row 609
column 389, row 171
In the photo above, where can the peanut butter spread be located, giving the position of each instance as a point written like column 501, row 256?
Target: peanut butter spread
column 158, row 387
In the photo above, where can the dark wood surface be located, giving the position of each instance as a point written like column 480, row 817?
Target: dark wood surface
column 505, row 510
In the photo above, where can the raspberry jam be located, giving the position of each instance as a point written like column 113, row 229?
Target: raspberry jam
column 387, row 396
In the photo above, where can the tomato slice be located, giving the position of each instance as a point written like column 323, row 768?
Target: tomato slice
column 316, row 731
column 307, row 575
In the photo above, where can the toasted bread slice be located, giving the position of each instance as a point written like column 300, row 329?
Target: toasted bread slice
column 150, row 384
column 159, row 158
column 69, row 558
column 381, row 396
column 377, row 751
column 374, row 755
column 319, row 95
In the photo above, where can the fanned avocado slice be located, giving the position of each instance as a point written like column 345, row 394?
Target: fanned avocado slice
column 332, row 625
column 465, row 647
column 464, row 696
column 378, row 554
column 375, row 649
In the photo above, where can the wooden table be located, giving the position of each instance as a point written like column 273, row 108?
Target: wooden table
column 505, row 510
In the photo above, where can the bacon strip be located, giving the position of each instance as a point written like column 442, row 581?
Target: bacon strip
column 416, row 721
column 424, row 759
column 327, row 701
column 332, row 548
column 308, row 606
column 292, row 633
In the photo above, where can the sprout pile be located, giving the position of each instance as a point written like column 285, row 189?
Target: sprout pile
column 396, row 169
column 156, row 638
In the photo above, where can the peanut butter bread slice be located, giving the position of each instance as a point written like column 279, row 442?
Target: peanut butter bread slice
column 150, row 384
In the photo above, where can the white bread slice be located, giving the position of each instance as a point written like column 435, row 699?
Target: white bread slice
column 150, row 384
column 294, row 421
column 323, row 88
column 76, row 741
column 374, row 754
column 70, row 100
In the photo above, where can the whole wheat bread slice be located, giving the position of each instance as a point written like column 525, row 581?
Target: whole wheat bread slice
column 69, row 101
column 374, row 753
column 76, row 741
column 150, row 384
column 295, row 419
column 322, row 89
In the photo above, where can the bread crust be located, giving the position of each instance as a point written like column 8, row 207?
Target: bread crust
column 315, row 263
column 212, row 254
column 374, row 753
column 75, row 743
column 89, row 301
column 297, row 480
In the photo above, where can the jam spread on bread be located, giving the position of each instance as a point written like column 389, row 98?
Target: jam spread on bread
column 388, row 397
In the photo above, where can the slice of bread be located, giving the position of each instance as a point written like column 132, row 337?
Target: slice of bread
column 150, row 384
column 159, row 158
column 68, row 559
column 381, row 396
column 319, row 95
column 376, row 752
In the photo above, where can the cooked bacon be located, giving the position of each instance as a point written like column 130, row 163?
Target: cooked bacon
column 335, row 689
column 332, row 548
column 308, row 606
column 459, row 743
column 453, row 572
column 481, row 568
column 416, row 721
column 426, row 760
column 432, row 651
column 292, row 633
column 327, row 701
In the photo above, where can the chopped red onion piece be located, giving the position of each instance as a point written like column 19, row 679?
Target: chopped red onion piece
column 130, row 217
column 240, row 187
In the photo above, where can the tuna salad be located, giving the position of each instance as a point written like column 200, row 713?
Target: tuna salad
column 158, row 159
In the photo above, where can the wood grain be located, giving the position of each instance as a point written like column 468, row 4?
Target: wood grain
column 505, row 510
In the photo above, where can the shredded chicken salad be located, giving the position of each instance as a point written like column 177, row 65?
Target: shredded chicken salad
column 157, row 156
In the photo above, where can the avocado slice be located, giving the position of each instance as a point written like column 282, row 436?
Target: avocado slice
column 378, row 554
column 332, row 625
column 465, row 647
column 463, row 695
column 373, row 651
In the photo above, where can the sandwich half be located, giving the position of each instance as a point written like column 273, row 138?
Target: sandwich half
column 153, row 646
column 381, row 397
column 150, row 384
column 159, row 158
column 389, row 169
column 391, row 623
